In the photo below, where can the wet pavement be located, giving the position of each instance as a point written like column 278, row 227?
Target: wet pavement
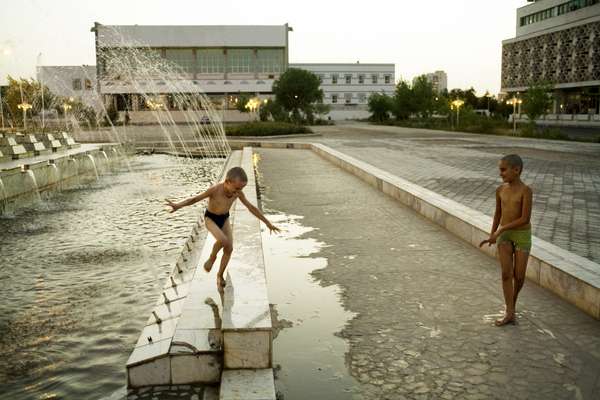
column 424, row 300
column 565, row 176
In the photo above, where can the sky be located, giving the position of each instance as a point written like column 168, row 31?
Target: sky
column 461, row 37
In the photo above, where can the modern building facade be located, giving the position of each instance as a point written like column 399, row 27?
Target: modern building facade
column 72, row 81
column 221, row 61
column 558, row 42
column 347, row 87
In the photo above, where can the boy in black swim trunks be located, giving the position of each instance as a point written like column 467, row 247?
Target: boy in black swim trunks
column 216, row 218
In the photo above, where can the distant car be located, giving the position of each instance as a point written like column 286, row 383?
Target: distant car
column 205, row 120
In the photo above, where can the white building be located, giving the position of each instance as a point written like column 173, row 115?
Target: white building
column 347, row 87
column 221, row 61
column 76, row 81
column 557, row 41
column 439, row 81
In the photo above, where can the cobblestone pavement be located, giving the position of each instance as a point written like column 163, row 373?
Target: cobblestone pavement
column 565, row 176
column 425, row 300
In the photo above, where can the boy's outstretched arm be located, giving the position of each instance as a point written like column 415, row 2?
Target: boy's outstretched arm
column 191, row 200
column 257, row 213
column 497, row 216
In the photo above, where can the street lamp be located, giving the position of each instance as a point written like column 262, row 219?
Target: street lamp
column 24, row 106
column 457, row 104
column 488, row 95
column 66, row 107
column 514, row 101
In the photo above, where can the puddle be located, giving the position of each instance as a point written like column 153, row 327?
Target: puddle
column 309, row 357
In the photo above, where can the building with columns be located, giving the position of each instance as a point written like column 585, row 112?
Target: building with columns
column 223, row 62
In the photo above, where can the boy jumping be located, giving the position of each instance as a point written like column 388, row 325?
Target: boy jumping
column 511, row 230
column 216, row 218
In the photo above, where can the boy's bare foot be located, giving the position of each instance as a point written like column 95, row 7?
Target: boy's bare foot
column 508, row 319
column 209, row 263
column 221, row 282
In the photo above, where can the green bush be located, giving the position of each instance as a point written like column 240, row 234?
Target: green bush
column 266, row 128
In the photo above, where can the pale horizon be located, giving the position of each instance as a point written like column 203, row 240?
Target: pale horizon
column 458, row 37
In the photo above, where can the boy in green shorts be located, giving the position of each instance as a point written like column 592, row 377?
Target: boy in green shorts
column 511, row 231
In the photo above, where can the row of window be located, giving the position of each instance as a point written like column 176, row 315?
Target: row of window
column 347, row 97
column 198, row 60
column 361, row 78
column 77, row 84
column 561, row 9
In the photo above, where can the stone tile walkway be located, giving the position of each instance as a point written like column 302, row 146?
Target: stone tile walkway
column 565, row 176
column 426, row 300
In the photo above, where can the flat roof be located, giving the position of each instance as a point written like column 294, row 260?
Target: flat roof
column 191, row 35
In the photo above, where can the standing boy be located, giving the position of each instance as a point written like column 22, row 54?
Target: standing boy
column 511, row 230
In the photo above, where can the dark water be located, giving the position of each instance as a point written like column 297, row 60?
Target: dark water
column 80, row 272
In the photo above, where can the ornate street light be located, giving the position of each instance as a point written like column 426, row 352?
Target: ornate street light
column 66, row 107
column 457, row 104
column 514, row 101
column 24, row 106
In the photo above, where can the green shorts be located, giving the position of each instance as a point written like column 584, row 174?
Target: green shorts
column 520, row 239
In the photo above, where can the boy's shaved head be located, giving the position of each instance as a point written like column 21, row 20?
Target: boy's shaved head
column 514, row 161
column 237, row 173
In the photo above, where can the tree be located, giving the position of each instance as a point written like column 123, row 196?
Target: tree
column 274, row 110
column 242, row 100
column 296, row 91
column 380, row 106
column 423, row 96
column 29, row 91
column 403, row 105
column 537, row 100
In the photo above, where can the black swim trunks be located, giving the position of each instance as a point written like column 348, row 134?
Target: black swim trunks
column 217, row 219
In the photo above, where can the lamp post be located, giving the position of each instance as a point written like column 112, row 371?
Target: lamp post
column 66, row 107
column 457, row 104
column 1, row 109
column 24, row 106
column 488, row 95
column 514, row 101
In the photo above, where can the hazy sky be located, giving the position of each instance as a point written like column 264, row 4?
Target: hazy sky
column 461, row 37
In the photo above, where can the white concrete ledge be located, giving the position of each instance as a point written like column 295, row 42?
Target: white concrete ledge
column 572, row 277
column 246, row 318
column 248, row 385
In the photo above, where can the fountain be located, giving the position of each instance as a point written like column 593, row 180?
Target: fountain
column 3, row 198
column 91, row 158
column 34, row 188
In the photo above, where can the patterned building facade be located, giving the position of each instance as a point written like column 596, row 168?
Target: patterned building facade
column 557, row 42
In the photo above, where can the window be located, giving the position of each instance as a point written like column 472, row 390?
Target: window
column 210, row 61
column 269, row 61
column 334, row 79
column 182, row 58
column 76, row 84
column 362, row 98
column 334, row 98
column 348, row 79
column 240, row 61
column 361, row 78
column 387, row 78
column 347, row 98
column 374, row 78
column 88, row 84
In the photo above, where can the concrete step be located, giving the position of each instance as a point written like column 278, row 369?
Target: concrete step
column 247, row 384
column 247, row 328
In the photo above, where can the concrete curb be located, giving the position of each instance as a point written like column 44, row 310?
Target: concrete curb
column 570, row 276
